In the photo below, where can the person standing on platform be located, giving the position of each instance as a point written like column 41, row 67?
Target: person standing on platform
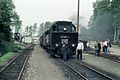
column 99, row 49
column 109, row 46
column 106, row 47
column 96, row 48
column 79, row 50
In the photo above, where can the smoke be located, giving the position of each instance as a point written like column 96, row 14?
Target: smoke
column 82, row 20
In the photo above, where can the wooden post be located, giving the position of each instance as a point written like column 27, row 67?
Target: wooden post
column 78, row 17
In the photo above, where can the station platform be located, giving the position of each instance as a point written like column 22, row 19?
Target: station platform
column 114, row 50
column 103, row 64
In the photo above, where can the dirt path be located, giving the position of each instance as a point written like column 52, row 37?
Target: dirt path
column 41, row 67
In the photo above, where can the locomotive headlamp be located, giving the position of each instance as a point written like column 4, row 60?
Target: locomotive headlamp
column 56, row 45
column 64, row 29
column 73, row 45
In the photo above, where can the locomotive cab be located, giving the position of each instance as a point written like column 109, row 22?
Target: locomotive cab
column 64, row 27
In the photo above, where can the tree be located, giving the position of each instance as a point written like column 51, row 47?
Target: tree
column 27, row 30
column 44, row 27
column 34, row 29
column 41, row 29
column 31, row 30
column 8, row 17
column 6, row 10
column 7, row 14
column 17, row 23
column 103, row 22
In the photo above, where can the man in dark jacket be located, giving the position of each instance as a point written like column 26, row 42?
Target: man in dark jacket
column 64, row 51
column 99, row 48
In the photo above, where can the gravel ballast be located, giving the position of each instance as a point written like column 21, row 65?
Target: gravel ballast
column 41, row 67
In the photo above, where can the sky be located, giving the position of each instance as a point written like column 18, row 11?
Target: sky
column 38, row 11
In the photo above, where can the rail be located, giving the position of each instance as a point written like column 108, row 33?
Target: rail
column 86, row 72
column 13, row 70
column 79, row 74
column 92, row 69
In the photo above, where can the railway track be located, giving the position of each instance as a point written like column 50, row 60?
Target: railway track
column 111, row 57
column 107, row 56
column 85, row 72
column 14, row 69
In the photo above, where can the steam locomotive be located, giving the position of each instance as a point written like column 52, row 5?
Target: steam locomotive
column 60, row 32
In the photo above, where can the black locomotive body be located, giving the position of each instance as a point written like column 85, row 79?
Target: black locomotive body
column 59, row 33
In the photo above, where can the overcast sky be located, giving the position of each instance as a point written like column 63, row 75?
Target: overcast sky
column 37, row 11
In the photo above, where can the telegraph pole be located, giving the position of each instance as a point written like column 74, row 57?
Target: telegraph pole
column 78, row 10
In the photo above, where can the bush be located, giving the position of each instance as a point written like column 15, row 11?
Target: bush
column 6, row 46
column 6, row 57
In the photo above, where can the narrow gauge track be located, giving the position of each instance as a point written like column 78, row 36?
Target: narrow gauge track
column 76, row 71
column 111, row 57
column 85, row 72
column 14, row 69
column 107, row 56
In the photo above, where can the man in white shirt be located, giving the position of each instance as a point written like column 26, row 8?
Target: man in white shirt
column 79, row 50
column 105, row 44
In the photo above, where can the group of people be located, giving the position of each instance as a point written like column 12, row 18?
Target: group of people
column 102, row 46
column 65, row 50
column 99, row 46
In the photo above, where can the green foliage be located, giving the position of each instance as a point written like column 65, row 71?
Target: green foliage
column 104, row 20
column 27, row 30
column 6, row 46
column 47, row 25
column 18, row 46
column 8, row 18
column 34, row 28
column 31, row 30
column 44, row 27
column 100, row 7
column 16, row 22
column 6, row 57
column 41, row 29
column 5, row 32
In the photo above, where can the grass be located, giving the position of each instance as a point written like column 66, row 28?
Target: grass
column 15, row 49
column 19, row 46
column 6, row 57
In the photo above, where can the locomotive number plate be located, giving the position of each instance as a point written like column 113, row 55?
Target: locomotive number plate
column 64, row 37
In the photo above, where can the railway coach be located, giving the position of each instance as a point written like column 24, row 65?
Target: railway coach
column 59, row 33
